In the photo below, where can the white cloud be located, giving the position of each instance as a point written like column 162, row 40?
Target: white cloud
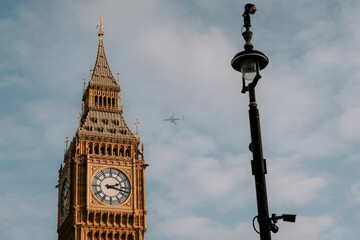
column 348, row 125
column 306, row 227
column 183, row 167
column 354, row 194
column 290, row 186
column 22, row 219
column 194, row 227
column 52, row 119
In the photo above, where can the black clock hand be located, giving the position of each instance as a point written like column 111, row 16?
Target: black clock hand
column 122, row 190
column 116, row 188
column 111, row 186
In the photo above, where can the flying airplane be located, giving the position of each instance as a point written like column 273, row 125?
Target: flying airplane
column 173, row 119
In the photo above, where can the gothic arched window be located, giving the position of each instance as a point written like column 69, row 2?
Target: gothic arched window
column 115, row 151
column 108, row 150
column 121, row 151
column 102, row 149
column 96, row 100
column 90, row 148
column 96, row 149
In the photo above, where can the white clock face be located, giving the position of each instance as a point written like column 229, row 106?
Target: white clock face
column 110, row 186
column 64, row 197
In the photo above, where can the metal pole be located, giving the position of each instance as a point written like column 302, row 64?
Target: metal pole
column 258, row 167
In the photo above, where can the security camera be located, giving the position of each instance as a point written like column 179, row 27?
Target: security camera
column 249, row 9
column 284, row 217
column 289, row 217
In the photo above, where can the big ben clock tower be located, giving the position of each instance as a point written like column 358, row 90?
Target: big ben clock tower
column 102, row 180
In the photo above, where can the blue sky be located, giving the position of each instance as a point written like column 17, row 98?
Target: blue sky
column 174, row 57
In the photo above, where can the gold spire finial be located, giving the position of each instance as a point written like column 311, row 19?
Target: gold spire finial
column 118, row 75
column 137, row 124
column 84, row 83
column 66, row 144
column 101, row 28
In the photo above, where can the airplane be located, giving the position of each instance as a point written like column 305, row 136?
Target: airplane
column 173, row 119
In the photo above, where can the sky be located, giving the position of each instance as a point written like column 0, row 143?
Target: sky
column 174, row 57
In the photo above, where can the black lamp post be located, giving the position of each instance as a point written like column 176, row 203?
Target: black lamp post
column 249, row 62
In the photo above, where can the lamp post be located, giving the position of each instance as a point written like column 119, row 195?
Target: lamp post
column 249, row 62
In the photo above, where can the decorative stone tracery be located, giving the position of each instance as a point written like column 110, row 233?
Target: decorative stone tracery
column 109, row 149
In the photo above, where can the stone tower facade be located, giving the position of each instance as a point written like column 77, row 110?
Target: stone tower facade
column 102, row 180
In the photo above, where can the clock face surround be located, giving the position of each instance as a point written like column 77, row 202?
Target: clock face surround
column 64, row 197
column 110, row 186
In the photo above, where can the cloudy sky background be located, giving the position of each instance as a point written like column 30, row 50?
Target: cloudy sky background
column 174, row 57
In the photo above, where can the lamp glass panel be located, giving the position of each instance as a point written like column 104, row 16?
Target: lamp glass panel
column 248, row 69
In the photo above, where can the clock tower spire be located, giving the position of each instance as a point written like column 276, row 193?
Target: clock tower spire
column 102, row 180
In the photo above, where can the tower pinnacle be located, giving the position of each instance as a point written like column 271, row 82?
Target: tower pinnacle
column 101, row 28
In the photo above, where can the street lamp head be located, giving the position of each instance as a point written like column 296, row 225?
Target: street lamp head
column 249, row 63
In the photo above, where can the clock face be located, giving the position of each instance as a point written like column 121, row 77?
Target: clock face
column 64, row 197
column 110, row 186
